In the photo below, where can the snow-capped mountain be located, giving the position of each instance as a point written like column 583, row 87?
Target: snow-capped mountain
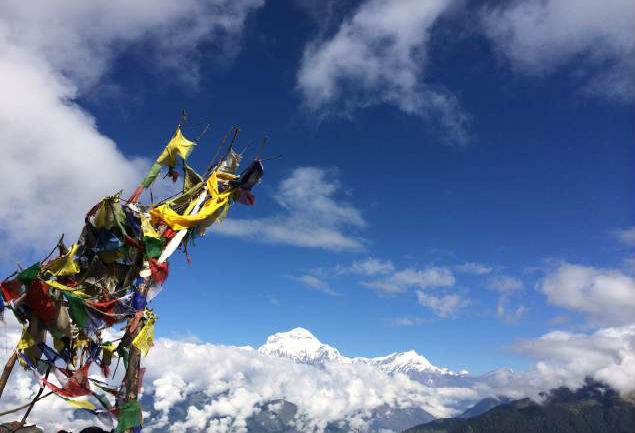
column 407, row 362
column 302, row 346
column 417, row 367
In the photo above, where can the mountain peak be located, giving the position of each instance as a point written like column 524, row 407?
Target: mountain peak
column 300, row 345
column 403, row 361
column 299, row 332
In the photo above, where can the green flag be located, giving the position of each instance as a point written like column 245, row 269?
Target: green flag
column 129, row 416
column 154, row 247
column 76, row 309
column 28, row 275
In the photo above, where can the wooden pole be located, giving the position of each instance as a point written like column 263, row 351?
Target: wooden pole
column 7, row 371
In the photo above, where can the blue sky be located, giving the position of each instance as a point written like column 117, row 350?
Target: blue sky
column 498, row 155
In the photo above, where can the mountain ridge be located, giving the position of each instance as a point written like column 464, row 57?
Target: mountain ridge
column 300, row 345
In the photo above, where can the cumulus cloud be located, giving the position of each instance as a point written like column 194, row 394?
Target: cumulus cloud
column 604, row 296
column 312, row 215
column 539, row 36
column 56, row 164
column 566, row 359
column 315, row 283
column 378, row 55
column 443, row 305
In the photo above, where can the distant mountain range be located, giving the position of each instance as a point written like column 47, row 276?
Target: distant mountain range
column 594, row 408
column 301, row 346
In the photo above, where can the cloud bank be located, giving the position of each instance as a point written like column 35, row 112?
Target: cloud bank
column 234, row 380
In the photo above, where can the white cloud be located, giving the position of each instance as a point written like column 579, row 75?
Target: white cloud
column 603, row 295
column 312, row 216
column 473, row 268
column 368, row 267
column 315, row 283
column 626, row 236
column 378, row 55
column 56, row 164
column 443, row 305
column 507, row 287
column 411, row 321
column 504, row 284
column 507, row 315
column 539, row 36
column 400, row 281
column 243, row 377
column 566, row 359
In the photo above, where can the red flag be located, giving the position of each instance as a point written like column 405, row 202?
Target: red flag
column 38, row 299
column 159, row 271
column 11, row 289
column 76, row 386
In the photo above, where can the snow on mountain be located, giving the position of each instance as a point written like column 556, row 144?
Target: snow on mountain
column 302, row 346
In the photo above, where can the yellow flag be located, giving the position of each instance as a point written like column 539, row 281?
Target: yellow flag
column 64, row 266
column 73, row 290
column 205, row 216
column 148, row 230
column 81, row 404
column 26, row 341
column 145, row 338
column 178, row 145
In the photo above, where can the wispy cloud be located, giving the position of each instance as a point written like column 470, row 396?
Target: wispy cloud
column 504, row 284
column 507, row 287
column 400, row 281
column 539, row 36
column 315, row 283
column 473, row 268
column 367, row 267
column 378, row 55
column 442, row 305
column 625, row 236
column 312, row 216
column 411, row 321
